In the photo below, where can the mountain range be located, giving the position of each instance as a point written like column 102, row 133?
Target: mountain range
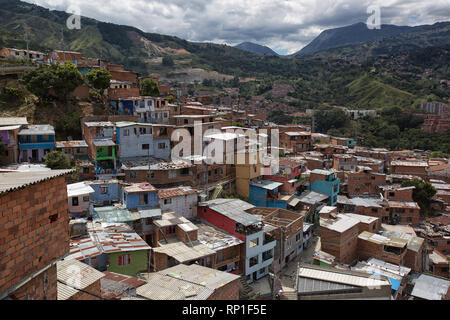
column 143, row 52
column 256, row 49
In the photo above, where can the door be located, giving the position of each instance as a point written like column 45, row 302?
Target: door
column 34, row 155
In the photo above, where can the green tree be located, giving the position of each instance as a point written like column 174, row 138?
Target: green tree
column 331, row 119
column 39, row 81
column 168, row 61
column 149, row 87
column 56, row 160
column 68, row 78
column 422, row 194
column 438, row 154
column 99, row 79
column 56, row 81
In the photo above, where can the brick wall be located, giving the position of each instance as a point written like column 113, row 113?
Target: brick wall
column 42, row 287
column 341, row 245
column 29, row 241
column 94, row 288
column 228, row 292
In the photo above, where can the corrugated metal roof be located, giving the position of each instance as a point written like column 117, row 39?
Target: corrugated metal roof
column 77, row 189
column 338, row 276
column 103, row 142
column 210, row 278
column 12, row 121
column 64, row 292
column 6, row 128
column 266, row 184
column 37, row 129
column 341, row 224
column 233, row 209
column 71, row 144
column 150, row 213
column 215, row 239
column 99, row 124
column 430, row 288
column 184, row 252
column 14, row 180
column 312, row 197
column 176, row 192
column 311, row 286
column 99, row 242
column 140, row 187
column 163, row 287
column 114, row 214
column 76, row 275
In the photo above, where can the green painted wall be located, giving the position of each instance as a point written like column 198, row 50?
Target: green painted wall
column 102, row 153
column 138, row 262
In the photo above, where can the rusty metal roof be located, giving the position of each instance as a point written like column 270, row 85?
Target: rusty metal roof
column 176, row 192
column 71, row 144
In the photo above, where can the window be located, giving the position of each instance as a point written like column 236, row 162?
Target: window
column 253, row 261
column 86, row 199
column 86, row 170
column 145, row 146
column 103, row 190
column 75, row 201
column 150, row 175
column 133, row 174
column 53, row 218
column 124, row 260
column 253, row 243
column 126, row 132
column 162, row 145
column 261, row 271
column 170, row 229
column 168, row 201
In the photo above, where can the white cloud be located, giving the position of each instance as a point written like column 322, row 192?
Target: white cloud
column 287, row 25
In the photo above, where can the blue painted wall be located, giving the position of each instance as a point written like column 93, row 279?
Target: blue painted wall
column 111, row 195
column 132, row 200
column 258, row 198
column 327, row 187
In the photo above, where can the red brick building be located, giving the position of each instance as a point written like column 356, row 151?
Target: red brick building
column 34, row 233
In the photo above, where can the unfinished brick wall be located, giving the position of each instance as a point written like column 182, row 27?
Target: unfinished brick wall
column 230, row 291
column 42, row 287
column 159, row 261
column 29, row 241
column 228, row 254
column 341, row 245
column 95, row 292
column 364, row 183
column 413, row 260
column 368, row 249
column 399, row 195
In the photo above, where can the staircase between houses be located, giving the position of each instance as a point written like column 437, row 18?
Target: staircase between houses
column 244, row 289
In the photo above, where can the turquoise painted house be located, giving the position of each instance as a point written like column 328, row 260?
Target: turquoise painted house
column 326, row 182
column 35, row 142
column 264, row 193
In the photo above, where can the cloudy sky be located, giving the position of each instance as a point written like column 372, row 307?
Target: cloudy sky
column 284, row 25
